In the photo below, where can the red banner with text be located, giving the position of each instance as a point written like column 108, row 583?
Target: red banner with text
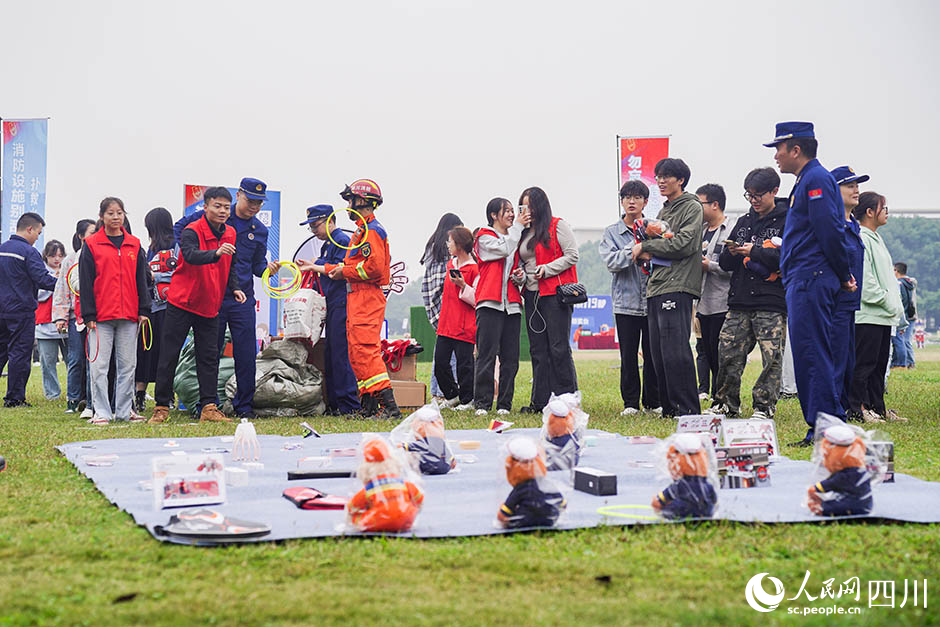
column 637, row 157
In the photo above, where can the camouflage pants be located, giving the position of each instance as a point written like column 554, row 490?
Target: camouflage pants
column 741, row 331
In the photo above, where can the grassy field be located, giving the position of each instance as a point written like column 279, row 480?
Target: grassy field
column 69, row 557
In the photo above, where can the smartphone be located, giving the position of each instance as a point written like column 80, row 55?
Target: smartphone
column 730, row 242
column 454, row 273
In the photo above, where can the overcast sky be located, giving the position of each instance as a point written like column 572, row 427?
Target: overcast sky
column 448, row 104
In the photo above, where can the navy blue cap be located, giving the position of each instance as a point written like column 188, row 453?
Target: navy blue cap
column 317, row 212
column 253, row 188
column 791, row 130
column 844, row 174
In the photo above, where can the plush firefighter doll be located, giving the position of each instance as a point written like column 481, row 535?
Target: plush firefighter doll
column 760, row 269
column 427, row 443
column 847, row 490
column 534, row 501
column 386, row 502
column 562, row 445
column 692, row 493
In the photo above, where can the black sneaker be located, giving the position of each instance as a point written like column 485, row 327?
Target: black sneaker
column 140, row 402
column 71, row 407
column 250, row 415
column 854, row 416
column 16, row 404
column 528, row 409
column 802, row 443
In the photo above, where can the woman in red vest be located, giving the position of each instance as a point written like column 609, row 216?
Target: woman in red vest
column 549, row 255
column 499, row 305
column 457, row 325
column 112, row 270
column 48, row 337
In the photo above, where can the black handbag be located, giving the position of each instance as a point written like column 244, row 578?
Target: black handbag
column 571, row 293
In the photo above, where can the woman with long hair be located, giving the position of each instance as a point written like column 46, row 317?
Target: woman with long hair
column 48, row 337
column 435, row 260
column 113, row 274
column 162, row 256
column 880, row 310
column 498, row 305
column 66, row 313
column 549, row 254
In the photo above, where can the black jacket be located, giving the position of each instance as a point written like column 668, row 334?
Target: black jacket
column 749, row 291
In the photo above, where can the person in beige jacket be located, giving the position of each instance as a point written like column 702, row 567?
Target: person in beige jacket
column 880, row 311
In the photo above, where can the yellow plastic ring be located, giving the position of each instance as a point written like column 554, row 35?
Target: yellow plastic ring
column 146, row 334
column 282, row 291
column 612, row 510
column 68, row 279
column 330, row 235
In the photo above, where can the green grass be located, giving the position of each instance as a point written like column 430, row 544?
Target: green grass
column 66, row 554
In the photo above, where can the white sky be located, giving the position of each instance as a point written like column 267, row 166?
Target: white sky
column 448, row 104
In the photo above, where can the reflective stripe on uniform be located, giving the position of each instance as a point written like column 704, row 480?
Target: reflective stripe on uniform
column 373, row 380
column 361, row 271
column 14, row 255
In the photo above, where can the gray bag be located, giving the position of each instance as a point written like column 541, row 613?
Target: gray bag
column 285, row 384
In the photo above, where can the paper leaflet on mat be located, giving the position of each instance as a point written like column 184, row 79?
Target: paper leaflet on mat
column 389, row 498
column 688, row 459
column 563, row 429
column 422, row 435
column 535, row 500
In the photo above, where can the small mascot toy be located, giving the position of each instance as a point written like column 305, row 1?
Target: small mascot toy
column 692, row 466
column 563, row 426
column 422, row 435
column 534, row 501
column 847, row 490
column 386, row 502
column 760, row 269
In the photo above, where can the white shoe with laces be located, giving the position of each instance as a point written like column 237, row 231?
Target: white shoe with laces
column 502, row 412
column 449, row 404
column 629, row 411
column 760, row 415
column 98, row 420
column 463, row 407
column 656, row 410
column 480, row 412
column 87, row 414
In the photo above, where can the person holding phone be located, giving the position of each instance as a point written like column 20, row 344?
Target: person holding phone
column 456, row 327
column 713, row 304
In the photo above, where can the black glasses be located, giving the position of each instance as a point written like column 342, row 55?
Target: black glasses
column 748, row 196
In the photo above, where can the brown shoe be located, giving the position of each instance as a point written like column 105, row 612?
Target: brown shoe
column 160, row 414
column 211, row 413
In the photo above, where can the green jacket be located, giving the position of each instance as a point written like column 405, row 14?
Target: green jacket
column 881, row 297
column 684, row 216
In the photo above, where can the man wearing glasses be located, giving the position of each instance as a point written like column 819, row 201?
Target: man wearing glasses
column 342, row 392
column 251, row 247
column 756, row 300
column 815, row 266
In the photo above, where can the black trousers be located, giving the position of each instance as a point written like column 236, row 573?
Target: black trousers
column 497, row 336
column 701, row 366
column 548, row 324
column 670, row 320
column 176, row 326
column 147, row 360
column 872, row 345
column 630, row 329
column 711, row 329
column 17, row 336
column 463, row 386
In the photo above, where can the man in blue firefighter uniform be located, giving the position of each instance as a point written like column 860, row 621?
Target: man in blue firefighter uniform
column 342, row 391
column 815, row 266
column 251, row 247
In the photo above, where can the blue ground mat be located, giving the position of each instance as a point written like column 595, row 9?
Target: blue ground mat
column 465, row 501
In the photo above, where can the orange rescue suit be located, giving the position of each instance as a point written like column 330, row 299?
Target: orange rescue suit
column 366, row 270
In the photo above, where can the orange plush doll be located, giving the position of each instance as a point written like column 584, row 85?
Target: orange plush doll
column 534, row 501
column 692, row 492
column 386, row 502
column 760, row 269
column 847, row 490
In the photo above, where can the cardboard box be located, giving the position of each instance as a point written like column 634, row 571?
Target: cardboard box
column 594, row 481
column 408, row 370
column 409, row 394
column 743, row 466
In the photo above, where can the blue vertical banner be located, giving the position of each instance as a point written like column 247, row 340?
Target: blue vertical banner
column 24, row 171
column 266, row 310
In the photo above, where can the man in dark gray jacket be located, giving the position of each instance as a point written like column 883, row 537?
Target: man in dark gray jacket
column 675, row 282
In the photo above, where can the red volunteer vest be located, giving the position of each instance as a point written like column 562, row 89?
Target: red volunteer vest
column 545, row 254
column 458, row 319
column 115, row 276
column 490, row 285
column 199, row 289
column 44, row 311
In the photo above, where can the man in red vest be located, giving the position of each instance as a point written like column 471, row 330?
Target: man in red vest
column 193, row 302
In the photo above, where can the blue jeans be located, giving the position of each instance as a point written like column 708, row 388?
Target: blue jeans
column 903, row 351
column 76, row 364
column 48, row 358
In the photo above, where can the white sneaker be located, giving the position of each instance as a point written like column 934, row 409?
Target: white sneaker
column 480, row 412
column 703, row 396
column 760, row 415
column 871, row 416
column 893, row 415
column 135, row 417
column 448, row 404
column 87, row 414
column 502, row 412
column 716, row 410
column 463, row 407
column 656, row 410
column 98, row 420
column 629, row 411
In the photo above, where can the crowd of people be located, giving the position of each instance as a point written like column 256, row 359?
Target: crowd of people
column 806, row 279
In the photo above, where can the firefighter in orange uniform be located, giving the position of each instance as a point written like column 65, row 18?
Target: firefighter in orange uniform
column 365, row 270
